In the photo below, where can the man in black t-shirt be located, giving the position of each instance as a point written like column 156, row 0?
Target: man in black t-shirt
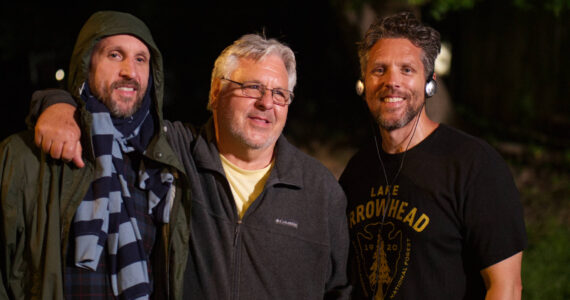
column 433, row 213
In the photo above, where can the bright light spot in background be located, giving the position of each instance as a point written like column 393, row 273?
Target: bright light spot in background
column 59, row 75
column 443, row 60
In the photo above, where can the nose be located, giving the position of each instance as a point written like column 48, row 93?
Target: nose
column 128, row 69
column 266, row 100
column 392, row 78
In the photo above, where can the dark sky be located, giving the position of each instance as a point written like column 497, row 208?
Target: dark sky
column 37, row 39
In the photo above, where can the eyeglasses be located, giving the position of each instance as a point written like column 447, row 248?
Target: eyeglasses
column 257, row 90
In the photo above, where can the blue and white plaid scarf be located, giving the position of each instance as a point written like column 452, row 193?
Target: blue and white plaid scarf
column 107, row 214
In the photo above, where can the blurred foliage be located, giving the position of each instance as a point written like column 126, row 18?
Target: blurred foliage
column 439, row 8
column 545, row 271
column 545, row 194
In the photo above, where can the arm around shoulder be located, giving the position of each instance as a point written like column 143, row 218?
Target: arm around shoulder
column 52, row 115
column 42, row 99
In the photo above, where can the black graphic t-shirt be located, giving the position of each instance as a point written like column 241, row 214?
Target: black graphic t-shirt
column 452, row 211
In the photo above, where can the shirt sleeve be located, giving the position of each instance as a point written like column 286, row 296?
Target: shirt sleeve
column 493, row 213
column 42, row 99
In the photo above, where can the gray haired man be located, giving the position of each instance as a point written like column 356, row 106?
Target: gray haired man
column 267, row 221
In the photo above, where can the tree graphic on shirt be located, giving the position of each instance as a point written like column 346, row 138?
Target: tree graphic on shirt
column 379, row 269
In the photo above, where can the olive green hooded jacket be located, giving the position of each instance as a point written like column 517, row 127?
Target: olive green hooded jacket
column 39, row 196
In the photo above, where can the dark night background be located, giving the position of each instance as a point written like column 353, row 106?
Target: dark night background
column 509, row 83
column 36, row 40
column 509, row 77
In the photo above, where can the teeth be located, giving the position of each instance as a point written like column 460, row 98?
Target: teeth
column 128, row 89
column 393, row 99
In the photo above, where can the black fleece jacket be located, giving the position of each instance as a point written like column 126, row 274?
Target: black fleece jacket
column 292, row 242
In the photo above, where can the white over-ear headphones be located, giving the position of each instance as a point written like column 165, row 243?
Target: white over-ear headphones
column 359, row 87
column 430, row 90
column 431, row 86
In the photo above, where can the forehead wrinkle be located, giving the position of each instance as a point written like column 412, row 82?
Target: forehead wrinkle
column 106, row 44
column 122, row 49
column 401, row 60
column 267, row 68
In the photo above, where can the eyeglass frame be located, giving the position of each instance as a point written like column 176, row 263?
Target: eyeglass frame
column 263, row 89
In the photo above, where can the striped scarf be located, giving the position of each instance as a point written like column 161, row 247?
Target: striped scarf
column 107, row 213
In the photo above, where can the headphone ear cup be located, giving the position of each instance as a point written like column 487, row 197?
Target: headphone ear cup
column 431, row 88
column 359, row 87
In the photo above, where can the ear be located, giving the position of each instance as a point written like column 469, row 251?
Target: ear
column 215, row 91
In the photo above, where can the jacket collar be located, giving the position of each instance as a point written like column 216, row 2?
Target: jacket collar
column 287, row 169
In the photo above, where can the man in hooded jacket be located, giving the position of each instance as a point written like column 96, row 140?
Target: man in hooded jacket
column 114, row 227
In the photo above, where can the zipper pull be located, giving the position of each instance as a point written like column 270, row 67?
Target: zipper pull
column 236, row 232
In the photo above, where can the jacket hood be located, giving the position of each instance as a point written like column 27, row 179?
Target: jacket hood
column 107, row 23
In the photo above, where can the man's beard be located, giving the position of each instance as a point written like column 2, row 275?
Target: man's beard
column 240, row 133
column 113, row 106
column 409, row 115
column 245, row 140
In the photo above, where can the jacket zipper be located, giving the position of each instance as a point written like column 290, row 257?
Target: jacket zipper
column 236, row 233
column 236, row 254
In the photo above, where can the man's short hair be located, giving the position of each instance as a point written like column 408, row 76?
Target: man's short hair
column 402, row 25
column 256, row 47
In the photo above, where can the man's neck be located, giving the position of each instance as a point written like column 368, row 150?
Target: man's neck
column 239, row 153
column 249, row 159
column 245, row 157
column 405, row 138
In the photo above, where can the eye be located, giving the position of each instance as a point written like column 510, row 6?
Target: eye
column 252, row 86
column 378, row 70
column 141, row 59
column 280, row 93
column 114, row 55
column 407, row 70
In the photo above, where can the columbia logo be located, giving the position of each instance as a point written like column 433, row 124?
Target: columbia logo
column 289, row 223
